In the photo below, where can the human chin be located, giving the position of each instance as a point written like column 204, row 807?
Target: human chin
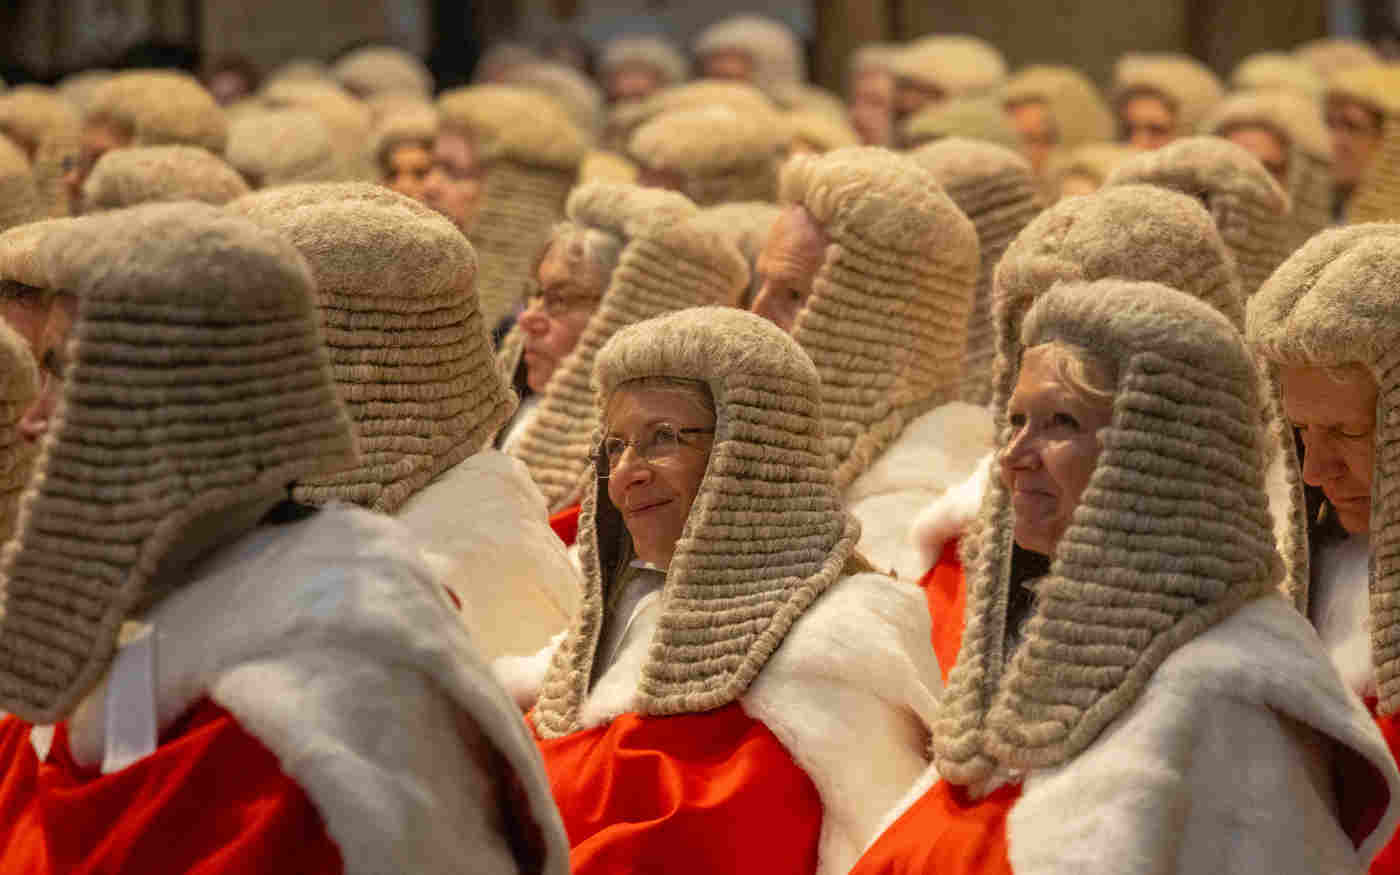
column 654, row 532
column 1037, row 524
column 538, row 370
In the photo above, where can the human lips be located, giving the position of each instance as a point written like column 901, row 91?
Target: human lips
column 1032, row 500
column 1029, row 490
column 644, row 506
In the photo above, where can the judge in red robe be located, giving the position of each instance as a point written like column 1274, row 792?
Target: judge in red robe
column 1113, row 658
column 203, row 675
column 1327, row 324
column 738, row 694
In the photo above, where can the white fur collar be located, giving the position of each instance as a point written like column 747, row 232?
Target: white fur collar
column 1170, row 787
column 615, row 691
column 1341, row 610
column 522, row 676
column 320, row 636
column 932, row 453
column 851, row 694
column 947, row 517
column 937, row 451
column 484, row 530
column 520, row 422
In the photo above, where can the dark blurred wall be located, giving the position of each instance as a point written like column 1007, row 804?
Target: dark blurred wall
column 270, row 32
column 48, row 37
column 1089, row 34
column 44, row 38
column 1224, row 33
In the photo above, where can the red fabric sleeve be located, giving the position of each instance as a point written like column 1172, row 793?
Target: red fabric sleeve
column 210, row 800
column 945, row 589
column 565, row 524
column 693, row 794
column 945, row 833
column 1363, row 796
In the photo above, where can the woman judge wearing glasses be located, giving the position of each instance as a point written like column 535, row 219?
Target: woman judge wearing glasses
column 668, row 261
column 738, row 693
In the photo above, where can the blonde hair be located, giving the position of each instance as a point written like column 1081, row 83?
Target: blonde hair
column 1093, row 378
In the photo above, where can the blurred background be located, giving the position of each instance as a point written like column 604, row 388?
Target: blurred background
column 41, row 40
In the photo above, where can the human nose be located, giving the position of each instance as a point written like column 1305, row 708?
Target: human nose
column 761, row 302
column 533, row 319
column 1021, row 452
column 34, row 424
column 73, row 179
column 631, row 467
column 432, row 183
column 1321, row 462
column 765, row 304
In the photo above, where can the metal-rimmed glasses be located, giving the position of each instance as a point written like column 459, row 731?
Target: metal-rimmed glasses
column 552, row 303
column 662, row 442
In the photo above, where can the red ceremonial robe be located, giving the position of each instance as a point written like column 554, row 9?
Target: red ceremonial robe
column 945, row 833
column 210, row 800
column 1369, row 803
column 945, row 589
column 691, row 794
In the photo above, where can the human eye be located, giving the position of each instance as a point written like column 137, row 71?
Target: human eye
column 666, row 437
column 53, row 365
column 1065, row 420
column 1017, row 419
column 613, row 448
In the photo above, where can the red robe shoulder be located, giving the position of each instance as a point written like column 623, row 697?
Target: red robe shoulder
column 210, row 800
column 947, row 833
column 691, row 794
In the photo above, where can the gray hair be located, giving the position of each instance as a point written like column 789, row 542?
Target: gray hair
column 585, row 250
column 697, row 390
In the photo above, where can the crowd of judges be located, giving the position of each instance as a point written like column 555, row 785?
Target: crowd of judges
column 686, row 469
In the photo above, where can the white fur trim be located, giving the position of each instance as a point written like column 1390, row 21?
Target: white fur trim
column 915, row 792
column 947, row 516
column 521, row 676
column 484, row 528
column 1341, row 610
column 850, row 694
column 1220, row 766
column 330, row 642
column 520, row 423
column 401, row 786
column 933, row 454
column 615, row 692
